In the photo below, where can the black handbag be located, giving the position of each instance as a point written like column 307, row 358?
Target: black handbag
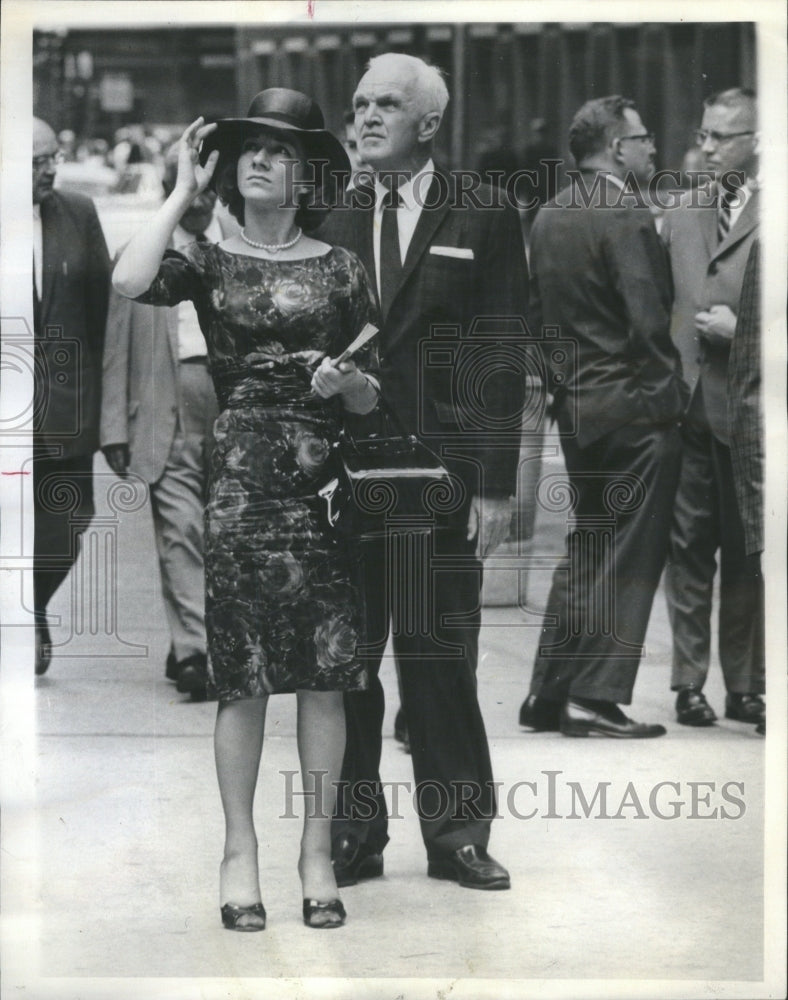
column 387, row 482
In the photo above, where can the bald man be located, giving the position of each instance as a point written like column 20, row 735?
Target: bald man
column 71, row 272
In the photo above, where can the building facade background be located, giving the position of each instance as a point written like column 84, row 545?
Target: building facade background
column 500, row 76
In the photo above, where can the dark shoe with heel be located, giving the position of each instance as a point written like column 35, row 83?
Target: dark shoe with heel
column 193, row 677
column 354, row 861
column 540, row 715
column 253, row 917
column 470, row 866
column 692, row 709
column 604, row 718
column 324, row 916
column 745, row 708
column 43, row 649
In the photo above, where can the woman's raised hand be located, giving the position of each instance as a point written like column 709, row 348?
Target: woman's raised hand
column 192, row 178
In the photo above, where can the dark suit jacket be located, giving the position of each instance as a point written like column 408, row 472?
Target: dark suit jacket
column 70, row 325
column 706, row 273
column 442, row 373
column 745, row 415
column 600, row 273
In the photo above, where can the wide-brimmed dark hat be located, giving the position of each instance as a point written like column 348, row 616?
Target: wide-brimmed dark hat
column 288, row 112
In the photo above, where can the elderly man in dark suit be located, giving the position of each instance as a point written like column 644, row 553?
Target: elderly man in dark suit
column 600, row 274
column 70, row 290
column 438, row 261
column 157, row 416
column 709, row 237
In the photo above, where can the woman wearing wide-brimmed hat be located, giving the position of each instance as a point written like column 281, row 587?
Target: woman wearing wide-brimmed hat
column 282, row 611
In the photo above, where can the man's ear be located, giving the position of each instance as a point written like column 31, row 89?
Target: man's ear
column 616, row 150
column 429, row 125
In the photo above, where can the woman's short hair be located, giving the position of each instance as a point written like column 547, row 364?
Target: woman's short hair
column 314, row 204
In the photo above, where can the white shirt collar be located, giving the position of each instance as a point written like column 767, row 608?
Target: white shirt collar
column 412, row 191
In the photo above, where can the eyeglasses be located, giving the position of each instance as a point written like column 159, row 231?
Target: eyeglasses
column 643, row 136
column 718, row 138
column 46, row 158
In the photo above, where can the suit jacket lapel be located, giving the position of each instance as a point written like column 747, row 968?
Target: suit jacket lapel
column 746, row 222
column 51, row 222
column 363, row 219
column 428, row 223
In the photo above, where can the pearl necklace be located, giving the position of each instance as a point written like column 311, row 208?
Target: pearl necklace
column 272, row 247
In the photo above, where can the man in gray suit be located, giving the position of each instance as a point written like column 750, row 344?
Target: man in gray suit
column 709, row 237
column 157, row 421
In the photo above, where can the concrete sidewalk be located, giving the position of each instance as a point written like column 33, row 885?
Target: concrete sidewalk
column 129, row 837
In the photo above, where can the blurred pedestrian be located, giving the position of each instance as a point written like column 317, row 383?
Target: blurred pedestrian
column 157, row 415
column 70, row 290
column 282, row 612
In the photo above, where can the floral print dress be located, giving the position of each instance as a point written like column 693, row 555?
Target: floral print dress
column 283, row 611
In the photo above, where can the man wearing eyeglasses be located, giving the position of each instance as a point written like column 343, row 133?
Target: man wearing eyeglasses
column 709, row 241
column 600, row 274
column 71, row 273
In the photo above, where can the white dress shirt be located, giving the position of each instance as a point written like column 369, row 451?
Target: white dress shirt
column 413, row 194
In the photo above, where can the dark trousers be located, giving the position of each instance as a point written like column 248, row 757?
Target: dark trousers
column 603, row 588
column 427, row 587
column 707, row 521
column 63, row 507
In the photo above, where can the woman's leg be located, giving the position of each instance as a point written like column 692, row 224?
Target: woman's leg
column 321, row 747
column 238, row 744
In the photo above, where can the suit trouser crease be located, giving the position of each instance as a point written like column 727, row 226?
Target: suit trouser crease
column 603, row 587
column 448, row 741
column 59, row 526
column 707, row 522
column 178, row 507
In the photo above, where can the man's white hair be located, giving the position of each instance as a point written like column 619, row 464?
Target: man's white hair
column 430, row 85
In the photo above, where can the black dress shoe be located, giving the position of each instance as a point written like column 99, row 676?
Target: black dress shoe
column 603, row 718
column 540, row 715
column 354, row 861
column 171, row 666
column 401, row 730
column 193, row 677
column 43, row 648
column 472, row 867
column 692, row 709
column 745, row 708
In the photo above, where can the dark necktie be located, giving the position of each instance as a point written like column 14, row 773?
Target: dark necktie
column 724, row 213
column 201, row 238
column 390, row 260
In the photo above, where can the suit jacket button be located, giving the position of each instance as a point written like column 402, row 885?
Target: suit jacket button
column 712, row 269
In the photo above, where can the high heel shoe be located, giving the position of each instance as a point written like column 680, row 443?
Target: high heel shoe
column 330, row 914
column 232, row 914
